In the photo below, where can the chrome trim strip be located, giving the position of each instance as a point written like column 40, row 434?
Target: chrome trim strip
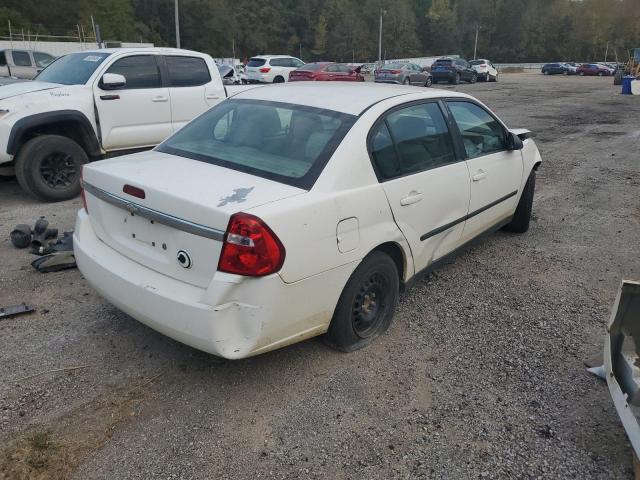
column 156, row 216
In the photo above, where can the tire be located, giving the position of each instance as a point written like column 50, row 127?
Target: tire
column 376, row 283
column 566, row 72
column 495, row 79
column 522, row 216
column 600, row 74
column 406, row 81
column 456, row 79
column 429, row 82
column 48, row 167
column 544, row 72
column 473, row 79
column 278, row 79
column 581, row 74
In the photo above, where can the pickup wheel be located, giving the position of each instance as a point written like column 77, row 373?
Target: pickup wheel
column 48, row 167
column 367, row 304
column 522, row 217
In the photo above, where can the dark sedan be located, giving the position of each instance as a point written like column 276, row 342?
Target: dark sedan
column 453, row 70
column 326, row 72
column 404, row 74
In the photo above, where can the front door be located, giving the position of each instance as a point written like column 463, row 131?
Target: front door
column 495, row 172
column 426, row 184
column 138, row 114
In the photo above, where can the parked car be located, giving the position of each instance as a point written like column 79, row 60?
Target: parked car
column 404, row 74
column 229, row 75
column 554, row 69
column 271, row 68
column 571, row 68
column 285, row 213
column 453, row 70
column 24, row 64
column 485, row 70
column 592, row 69
column 91, row 103
column 327, row 72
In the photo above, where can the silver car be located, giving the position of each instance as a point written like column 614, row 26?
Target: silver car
column 403, row 74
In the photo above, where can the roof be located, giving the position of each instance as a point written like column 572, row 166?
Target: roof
column 164, row 50
column 345, row 97
column 273, row 56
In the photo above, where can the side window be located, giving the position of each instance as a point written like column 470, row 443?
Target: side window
column 481, row 133
column 421, row 137
column 332, row 69
column 344, row 69
column 21, row 58
column 187, row 71
column 42, row 59
column 141, row 71
column 279, row 62
column 384, row 153
column 296, row 63
column 3, row 59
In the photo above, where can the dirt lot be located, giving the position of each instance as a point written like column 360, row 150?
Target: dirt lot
column 481, row 374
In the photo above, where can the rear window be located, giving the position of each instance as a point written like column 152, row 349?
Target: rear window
column 256, row 62
column 313, row 67
column 21, row 59
column 187, row 71
column 279, row 141
column 444, row 61
column 477, row 62
column 395, row 66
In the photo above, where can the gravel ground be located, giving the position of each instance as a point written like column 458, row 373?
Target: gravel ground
column 480, row 376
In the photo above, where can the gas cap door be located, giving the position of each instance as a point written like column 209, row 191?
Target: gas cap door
column 348, row 234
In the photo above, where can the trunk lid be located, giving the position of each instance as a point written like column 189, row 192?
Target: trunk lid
column 185, row 210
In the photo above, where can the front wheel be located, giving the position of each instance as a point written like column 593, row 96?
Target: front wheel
column 473, row 79
column 522, row 216
column 429, row 82
column 456, row 79
column 600, row 74
column 367, row 304
column 48, row 167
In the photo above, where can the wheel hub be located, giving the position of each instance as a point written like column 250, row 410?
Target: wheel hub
column 369, row 306
column 58, row 170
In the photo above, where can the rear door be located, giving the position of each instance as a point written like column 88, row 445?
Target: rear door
column 495, row 172
column 424, row 178
column 191, row 88
column 138, row 114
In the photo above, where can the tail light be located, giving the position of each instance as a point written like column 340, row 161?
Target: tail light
column 265, row 70
column 395, row 72
column 82, row 194
column 250, row 248
column 483, row 65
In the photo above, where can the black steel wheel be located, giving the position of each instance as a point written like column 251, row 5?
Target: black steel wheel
column 367, row 304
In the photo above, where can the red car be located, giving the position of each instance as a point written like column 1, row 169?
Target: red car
column 326, row 72
column 594, row 69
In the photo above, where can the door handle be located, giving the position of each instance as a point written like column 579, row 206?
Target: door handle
column 159, row 99
column 480, row 175
column 212, row 97
column 413, row 197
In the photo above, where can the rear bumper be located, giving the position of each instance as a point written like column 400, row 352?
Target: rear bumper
column 442, row 76
column 234, row 317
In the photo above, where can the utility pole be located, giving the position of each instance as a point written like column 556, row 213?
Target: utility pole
column 95, row 37
column 380, row 37
column 233, row 53
column 475, row 47
column 177, row 26
column 606, row 52
column 300, row 57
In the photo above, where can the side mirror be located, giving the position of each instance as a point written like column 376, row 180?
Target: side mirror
column 113, row 81
column 514, row 142
column 358, row 69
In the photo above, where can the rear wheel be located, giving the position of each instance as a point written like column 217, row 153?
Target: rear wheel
column 474, row 78
column 367, row 304
column 522, row 216
column 494, row 79
column 429, row 82
column 48, row 167
column 278, row 79
column 600, row 74
column 456, row 79
column 406, row 81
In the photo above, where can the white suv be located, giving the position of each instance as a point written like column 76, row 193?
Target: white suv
column 271, row 68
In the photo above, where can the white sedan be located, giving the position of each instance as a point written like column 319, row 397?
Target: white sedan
column 299, row 210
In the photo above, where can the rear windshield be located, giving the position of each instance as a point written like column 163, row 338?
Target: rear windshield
column 477, row 62
column 444, row 61
column 394, row 66
column 256, row 62
column 280, row 141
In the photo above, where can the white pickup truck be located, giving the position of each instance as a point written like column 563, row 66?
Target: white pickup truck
column 90, row 104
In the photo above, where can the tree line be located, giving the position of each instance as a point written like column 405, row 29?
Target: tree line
column 347, row 30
